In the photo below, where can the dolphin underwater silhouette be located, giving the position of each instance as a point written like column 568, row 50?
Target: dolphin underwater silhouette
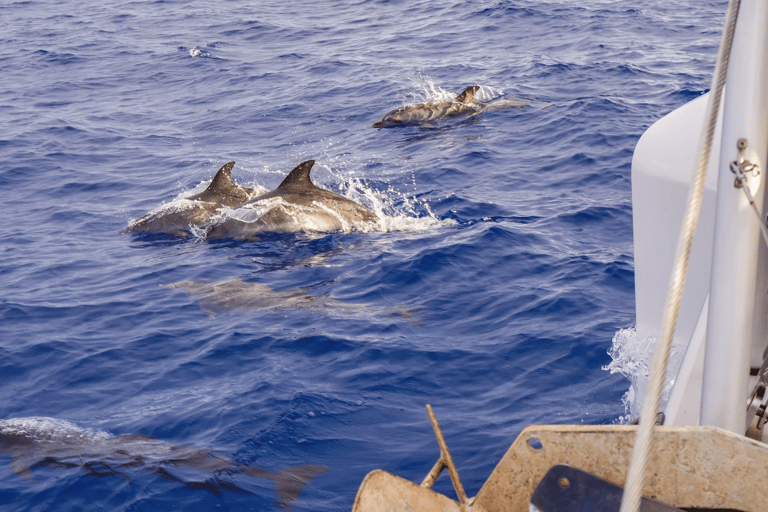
column 463, row 105
column 230, row 294
column 39, row 442
column 177, row 217
column 295, row 205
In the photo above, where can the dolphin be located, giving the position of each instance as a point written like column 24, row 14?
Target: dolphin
column 177, row 217
column 295, row 205
column 463, row 105
column 219, row 296
column 37, row 442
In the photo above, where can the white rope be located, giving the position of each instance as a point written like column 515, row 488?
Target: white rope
column 630, row 501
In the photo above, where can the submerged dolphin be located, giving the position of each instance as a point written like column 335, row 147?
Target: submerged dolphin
column 295, row 205
column 219, row 296
column 462, row 105
column 177, row 217
column 38, row 442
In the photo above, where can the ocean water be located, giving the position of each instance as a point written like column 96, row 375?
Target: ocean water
column 499, row 272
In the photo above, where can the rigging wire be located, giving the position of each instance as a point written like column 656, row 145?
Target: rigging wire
column 630, row 501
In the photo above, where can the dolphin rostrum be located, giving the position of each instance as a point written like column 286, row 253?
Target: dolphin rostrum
column 38, row 442
column 177, row 217
column 295, row 205
column 463, row 105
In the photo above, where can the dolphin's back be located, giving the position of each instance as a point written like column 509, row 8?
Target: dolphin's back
column 295, row 205
column 297, row 189
column 176, row 218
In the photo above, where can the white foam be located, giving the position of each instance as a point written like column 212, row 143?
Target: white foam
column 198, row 52
column 49, row 429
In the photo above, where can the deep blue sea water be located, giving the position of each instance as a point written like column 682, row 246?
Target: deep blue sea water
column 501, row 269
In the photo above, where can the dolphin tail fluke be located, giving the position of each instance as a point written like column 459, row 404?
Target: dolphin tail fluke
column 468, row 94
column 289, row 482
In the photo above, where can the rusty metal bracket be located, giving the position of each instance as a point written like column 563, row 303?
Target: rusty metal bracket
column 445, row 461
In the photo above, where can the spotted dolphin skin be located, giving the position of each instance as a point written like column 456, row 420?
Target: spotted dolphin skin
column 37, row 442
column 177, row 217
column 462, row 105
column 295, row 205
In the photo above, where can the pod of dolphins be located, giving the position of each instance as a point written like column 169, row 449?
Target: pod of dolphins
column 297, row 204
column 223, row 210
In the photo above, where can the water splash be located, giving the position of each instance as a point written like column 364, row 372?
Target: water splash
column 428, row 91
column 632, row 358
column 203, row 53
column 396, row 211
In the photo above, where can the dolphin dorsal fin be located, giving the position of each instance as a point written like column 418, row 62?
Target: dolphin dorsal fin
column 468, row 94
column 221, row 184
column 223, row 178
column 298, row 177
column 223, row 190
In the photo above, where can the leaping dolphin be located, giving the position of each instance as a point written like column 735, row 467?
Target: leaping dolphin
column 295, row 205
column 463, row 105
column 177, row 217
column 38, row 442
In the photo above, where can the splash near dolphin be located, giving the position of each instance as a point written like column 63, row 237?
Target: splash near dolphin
column 176, row 219
column 295, row 205
column 38, row 442
column 463, row 105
